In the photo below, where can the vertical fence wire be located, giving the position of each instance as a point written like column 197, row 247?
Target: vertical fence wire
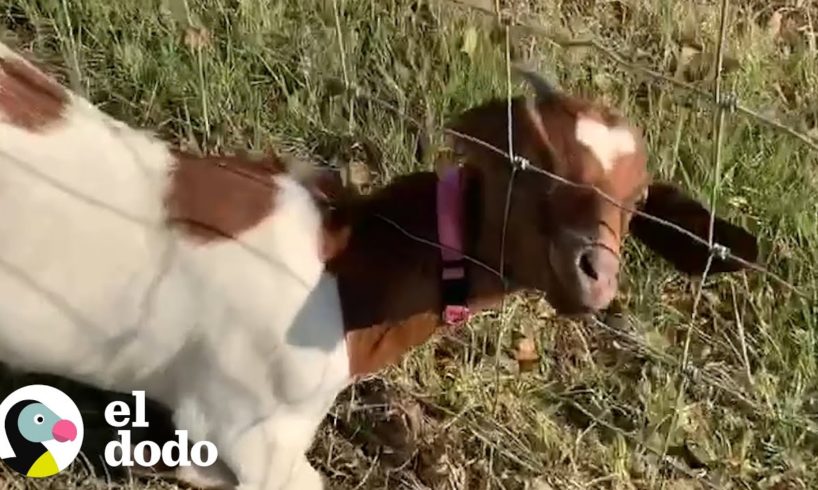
column 718, row 130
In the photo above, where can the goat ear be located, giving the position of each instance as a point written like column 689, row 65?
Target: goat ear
column 543, row 89
column 670, row 203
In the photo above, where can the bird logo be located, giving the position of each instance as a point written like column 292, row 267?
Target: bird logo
column 41, row 431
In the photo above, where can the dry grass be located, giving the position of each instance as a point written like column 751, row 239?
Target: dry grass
column 596, row 411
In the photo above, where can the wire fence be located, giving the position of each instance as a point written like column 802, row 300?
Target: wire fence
column 729, row 101
column 723, row 104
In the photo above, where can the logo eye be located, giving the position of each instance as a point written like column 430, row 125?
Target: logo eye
column 39, row 419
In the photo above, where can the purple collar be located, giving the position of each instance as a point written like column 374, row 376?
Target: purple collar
column 450, row 236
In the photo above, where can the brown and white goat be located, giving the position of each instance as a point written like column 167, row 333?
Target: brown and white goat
column 231, row 292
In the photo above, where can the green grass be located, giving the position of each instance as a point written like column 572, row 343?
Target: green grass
column 457, row 413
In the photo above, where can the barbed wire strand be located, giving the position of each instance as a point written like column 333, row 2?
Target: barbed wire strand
column 611, row 54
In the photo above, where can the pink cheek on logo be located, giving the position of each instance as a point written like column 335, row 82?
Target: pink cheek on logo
column 64, row 430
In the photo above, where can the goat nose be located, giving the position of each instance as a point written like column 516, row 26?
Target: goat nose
column 598, row 266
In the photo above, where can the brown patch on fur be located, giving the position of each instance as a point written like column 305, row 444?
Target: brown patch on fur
column 29, row 98
column 219, row 197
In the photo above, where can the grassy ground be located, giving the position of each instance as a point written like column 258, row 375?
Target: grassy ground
column 596, row 411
